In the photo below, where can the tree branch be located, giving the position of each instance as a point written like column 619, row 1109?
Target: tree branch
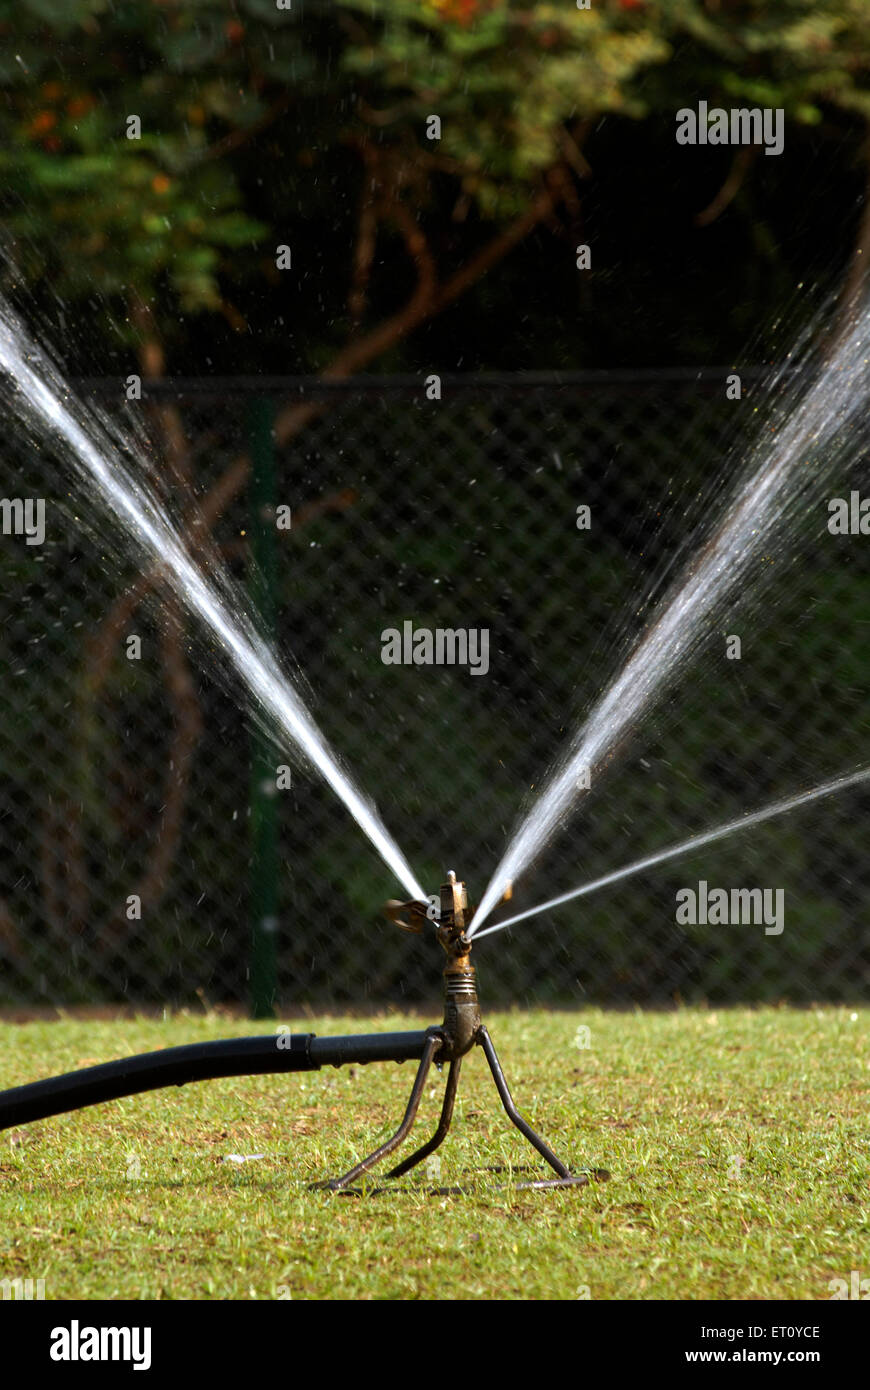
column 424, row 304
column 740, row 166
column 236, row 138
column 188, row 726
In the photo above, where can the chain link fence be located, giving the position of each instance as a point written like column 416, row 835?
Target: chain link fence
column 130, row 778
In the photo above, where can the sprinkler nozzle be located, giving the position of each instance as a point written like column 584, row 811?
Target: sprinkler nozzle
column 461, row 1006
column 462, row 1020
column 455, row 916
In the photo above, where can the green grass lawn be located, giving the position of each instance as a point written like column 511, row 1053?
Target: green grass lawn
column 738, row 1143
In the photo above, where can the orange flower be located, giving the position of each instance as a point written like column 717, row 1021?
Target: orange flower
column 77, row 106
column 160, row 183
column 43, row 122
column 462, row 11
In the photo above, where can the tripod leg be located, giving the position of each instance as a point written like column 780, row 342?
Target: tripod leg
column 443, row 1124
column 507, row 1101
column 433, row 1042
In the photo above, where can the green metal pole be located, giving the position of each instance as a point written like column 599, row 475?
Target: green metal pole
column 264, row 790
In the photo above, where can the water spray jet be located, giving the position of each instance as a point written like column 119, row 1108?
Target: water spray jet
column 813, row 427
column 696, row 842
column 460, row 1030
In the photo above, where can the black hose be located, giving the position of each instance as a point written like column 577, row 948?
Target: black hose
column 176, row 1066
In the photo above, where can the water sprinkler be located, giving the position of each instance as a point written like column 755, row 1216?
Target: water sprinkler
column 460, row 1030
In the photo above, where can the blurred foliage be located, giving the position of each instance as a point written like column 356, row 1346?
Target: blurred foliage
column 254, row 118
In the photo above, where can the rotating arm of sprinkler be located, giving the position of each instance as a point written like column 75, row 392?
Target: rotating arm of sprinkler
column 449, row 913
column 396, row 913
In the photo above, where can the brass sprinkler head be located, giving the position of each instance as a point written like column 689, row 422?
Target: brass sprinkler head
column 461, row 1006
column 449, row 913
column 455, row 917
column 451, row 917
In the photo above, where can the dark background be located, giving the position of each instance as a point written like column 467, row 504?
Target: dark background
column 411, row 257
